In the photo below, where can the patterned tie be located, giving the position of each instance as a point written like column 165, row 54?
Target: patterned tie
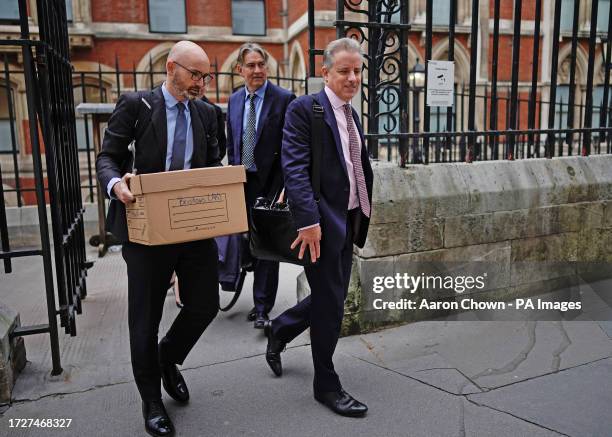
column 355, row 152
column 248, row 136
column 180, row 139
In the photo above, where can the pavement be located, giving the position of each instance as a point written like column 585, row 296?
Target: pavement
column 433, row 378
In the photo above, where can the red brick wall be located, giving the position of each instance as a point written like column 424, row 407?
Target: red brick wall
column 119, row 11
column 273, row 14
column 29, row 197
column 209, row 13
column 322, row 37
column 218, row 13
column 506, row 9
column 297, row 8
column 504, row 69
column 104, row 50
column 326, row 5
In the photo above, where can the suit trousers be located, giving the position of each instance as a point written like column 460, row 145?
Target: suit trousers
column 265, row 274
column 322, row 310
column 149, row 272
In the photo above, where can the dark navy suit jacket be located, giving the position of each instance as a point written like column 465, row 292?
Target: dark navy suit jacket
column 331, row 211
column 269, row 132
column 114, row 160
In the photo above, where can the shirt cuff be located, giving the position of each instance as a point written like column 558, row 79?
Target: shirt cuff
column 308, row 227
column 109, row 187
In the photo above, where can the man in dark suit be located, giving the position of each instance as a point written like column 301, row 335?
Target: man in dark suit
column 255, row 118
column 221, row 137
column 329, row 227
column 174, row 130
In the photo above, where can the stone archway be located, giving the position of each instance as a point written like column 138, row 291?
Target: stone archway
column 297, row 67
column 154, row 60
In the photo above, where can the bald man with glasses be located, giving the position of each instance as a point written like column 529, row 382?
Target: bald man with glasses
column 173, row 130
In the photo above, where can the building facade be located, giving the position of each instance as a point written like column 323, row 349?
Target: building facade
column 121, row 45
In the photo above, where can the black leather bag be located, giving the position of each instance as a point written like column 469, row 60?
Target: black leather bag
column 272, row 227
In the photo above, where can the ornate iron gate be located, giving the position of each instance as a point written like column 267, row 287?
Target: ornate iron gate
column 48, row 78
column 551, row 126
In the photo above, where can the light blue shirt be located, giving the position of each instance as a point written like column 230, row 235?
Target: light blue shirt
column 259, row 93
column 171, row 114
column 259, row 98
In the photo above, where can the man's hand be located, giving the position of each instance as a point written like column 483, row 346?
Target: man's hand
column 121, row 190
column 309, row 238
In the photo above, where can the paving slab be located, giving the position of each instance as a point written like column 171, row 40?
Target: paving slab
column 606, row 327
column 99, row 354
column 434, row 378
column 244, row 398
column 575, row 402
column 488, row 354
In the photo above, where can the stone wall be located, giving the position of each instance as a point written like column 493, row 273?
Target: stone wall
column 517, row 216
column 12, row 353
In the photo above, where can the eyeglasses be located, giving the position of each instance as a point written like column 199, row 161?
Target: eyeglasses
column 196, row 75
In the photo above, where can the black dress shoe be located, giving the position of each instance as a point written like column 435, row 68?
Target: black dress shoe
column 274, row 349
column 157, row 422
column 173, row 382
column 252, row 314
column 342, row 403
column 260, row 320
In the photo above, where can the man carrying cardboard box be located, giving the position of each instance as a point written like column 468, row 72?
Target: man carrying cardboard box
column 173, row 130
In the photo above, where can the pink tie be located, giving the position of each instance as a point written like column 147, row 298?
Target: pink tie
column 355, row 152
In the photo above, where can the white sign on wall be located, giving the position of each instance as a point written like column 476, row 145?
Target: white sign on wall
column 440, row 82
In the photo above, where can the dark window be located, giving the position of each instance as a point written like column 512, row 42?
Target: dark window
column 5, row 121
column 69, row 10
column 441, row 12
column 9, row 10
column 561, row 108
column 603, row 15
column 248, row 17
column 437, row 122
column 167, row 16
column 598, row 94
column 567, row 15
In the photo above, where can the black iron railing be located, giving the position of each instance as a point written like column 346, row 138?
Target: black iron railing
column 93, row 87
column 47, row 74
column 544, row 116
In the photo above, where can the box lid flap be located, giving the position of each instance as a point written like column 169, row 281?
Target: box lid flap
column 181, row 179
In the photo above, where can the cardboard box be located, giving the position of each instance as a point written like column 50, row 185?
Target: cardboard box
column 187, row 205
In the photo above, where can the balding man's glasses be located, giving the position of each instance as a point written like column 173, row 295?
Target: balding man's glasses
column 196, row 75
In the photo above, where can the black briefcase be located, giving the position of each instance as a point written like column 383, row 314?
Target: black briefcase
column 273, row 231
column 272, row 228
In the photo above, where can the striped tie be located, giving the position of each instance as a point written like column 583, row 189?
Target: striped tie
column 355, row 152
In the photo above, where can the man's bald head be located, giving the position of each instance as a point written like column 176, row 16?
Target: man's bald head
column 186, row 62
column 183, row 51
